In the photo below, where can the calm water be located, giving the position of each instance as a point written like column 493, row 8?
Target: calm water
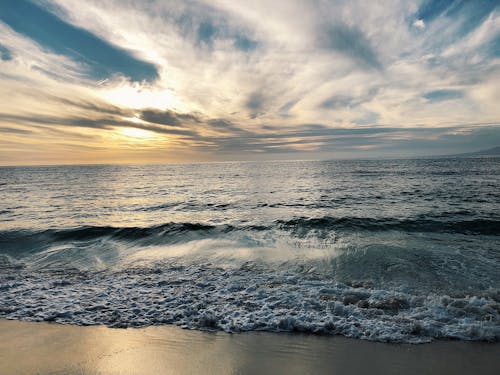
column 399, row 250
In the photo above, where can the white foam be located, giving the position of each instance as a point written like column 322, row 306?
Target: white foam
column 237, row 249
column 251, row 297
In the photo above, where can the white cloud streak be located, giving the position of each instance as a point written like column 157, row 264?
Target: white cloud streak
column 375, row 69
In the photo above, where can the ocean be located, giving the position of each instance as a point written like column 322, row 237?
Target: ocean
column 384, row 250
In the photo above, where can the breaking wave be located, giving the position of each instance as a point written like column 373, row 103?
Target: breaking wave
column 246, row 298
column 384, row 250
column 319, row 275
column 174, row 232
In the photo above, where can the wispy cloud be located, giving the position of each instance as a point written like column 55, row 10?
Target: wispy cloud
column 100, row 58
column 222, row 79
column 350, row 41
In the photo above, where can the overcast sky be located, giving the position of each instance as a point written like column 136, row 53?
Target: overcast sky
column 106, row 81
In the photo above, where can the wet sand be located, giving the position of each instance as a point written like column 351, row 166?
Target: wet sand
column 46, row 348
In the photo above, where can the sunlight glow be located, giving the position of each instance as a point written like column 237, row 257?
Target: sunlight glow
column 137, row 96
column 137, row 134
column 135, row 119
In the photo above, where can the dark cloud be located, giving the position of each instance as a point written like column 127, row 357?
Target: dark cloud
column 232, row 139
column 227, row 126
column 339, row 101
column 380, row 141
column 99, row 107
column 221, row 123
column 368, row 118
column 166, row 117
column 413, row 141
column 106, row 123
column 255, row 104
column 447, row 141
column 160, row 117
column 14, row 130
column 49, row 120
column 283, row 111
column 346, row 101
column 350, row 41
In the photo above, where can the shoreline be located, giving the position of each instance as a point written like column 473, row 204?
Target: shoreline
column 52, row 348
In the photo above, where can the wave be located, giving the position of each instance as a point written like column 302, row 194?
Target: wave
column 35, row 238
column 301, row 226
column 251, row 277
column 246, row 299
column 474, row 226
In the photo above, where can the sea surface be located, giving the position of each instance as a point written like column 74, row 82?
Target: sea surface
column 384, row 250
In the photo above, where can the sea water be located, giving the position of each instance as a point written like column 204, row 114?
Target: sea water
column 385, row 250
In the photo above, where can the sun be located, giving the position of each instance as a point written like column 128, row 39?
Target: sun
column 137, row 134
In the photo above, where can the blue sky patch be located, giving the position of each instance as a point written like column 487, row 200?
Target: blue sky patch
column 494, row 46
column 100, row 58
column 351, row 42
column 206, row 33
column 442, row 95
column 472, row 13
column 5, row 54
column 244, row 44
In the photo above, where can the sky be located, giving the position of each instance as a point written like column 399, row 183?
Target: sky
column 121, row 81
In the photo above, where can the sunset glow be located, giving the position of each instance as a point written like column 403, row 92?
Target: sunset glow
column 137, row 134
column 230, row 80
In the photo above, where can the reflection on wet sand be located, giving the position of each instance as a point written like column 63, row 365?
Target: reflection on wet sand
column 42, row 348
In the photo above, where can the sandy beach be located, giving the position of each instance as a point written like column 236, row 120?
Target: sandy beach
column 45, row 348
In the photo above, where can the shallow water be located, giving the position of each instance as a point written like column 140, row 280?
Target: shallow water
column 55, row 349
column 393, row 250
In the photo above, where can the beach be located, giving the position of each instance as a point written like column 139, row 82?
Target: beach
column 235, row 187
column 48, row 348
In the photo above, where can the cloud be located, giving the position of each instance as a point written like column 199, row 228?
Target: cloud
column 475, row 12
column 339, row 101
column 14, row 130
column 229, row 79
column 255, row 104
column 350, row 41
column 226, row 127
column 207, row 28
column 420, row 24
column 100, row 58
column 429, row 10
column 96, row 106
column 160, row 117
